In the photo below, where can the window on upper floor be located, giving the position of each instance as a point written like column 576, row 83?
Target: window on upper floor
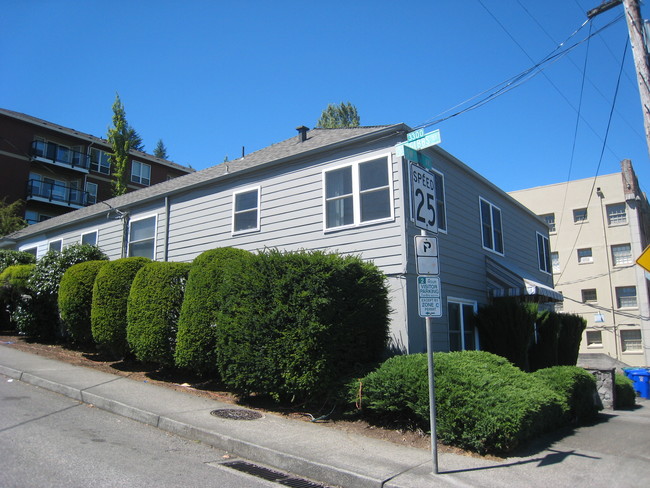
column 594, row 338
column 555, row 262
column 550, row 221
column 579, row 215
column 142, row 237
column 100, row 161
column 589, row 295
column 246, row 211
column 621, row 254
column 631, row 340
column 616, row 214
column 358, row 193
column 585, row 255
column 626, row 297
column 91, row 190
column 491, row 226
column 544, row 254
column 140, row 173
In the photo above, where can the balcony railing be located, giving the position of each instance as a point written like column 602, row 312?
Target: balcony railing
column 60, row 155
column 59, row 194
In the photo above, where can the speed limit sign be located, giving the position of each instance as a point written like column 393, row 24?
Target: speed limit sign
column 423, row 199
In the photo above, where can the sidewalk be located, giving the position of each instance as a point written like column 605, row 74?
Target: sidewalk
column 613, row 453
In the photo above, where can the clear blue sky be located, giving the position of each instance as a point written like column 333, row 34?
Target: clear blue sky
column 208, row 77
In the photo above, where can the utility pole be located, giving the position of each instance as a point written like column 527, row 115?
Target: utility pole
column 635, row 29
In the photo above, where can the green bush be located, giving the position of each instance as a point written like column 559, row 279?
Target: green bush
column 153, row 310
column 13, row 285
column 109, row 304
column 576, row 387
column 40, row 315
column 569, row 338
column 75, row 300
column 483, row 402
column 296, row 325
column 196, row 338
column 506, row 329
column 543, row 351
column 12, row 258
column 625, row 396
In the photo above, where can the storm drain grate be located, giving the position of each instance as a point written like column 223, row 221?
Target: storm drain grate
column 272, row 475
column 236, row 414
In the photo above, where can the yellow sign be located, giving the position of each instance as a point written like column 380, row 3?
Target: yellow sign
column 644, row 259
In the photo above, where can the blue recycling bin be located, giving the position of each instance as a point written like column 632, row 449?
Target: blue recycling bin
column 641, row 380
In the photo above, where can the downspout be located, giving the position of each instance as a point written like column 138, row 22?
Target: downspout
column 166, row 240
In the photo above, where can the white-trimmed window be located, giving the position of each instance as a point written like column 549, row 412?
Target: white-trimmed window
column 555, row 261
column 491, row 226
column 31, row 250
column 55, row 245
column 462, row 331
column 579, row 215
column 544, row 254
column 550, row 221
column 616, row 214
column 142, row 237
column 91, row 190
column 140, row 173
column 100, row 161
column 358, row 193
column 585, row 255
column 631, row 340
column 594, row 338
column 89, row 238
column 626, row 297
column 621, row 254
column 246, row 211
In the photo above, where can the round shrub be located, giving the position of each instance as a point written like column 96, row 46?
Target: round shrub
column 577, row 389
column 75, row 300
column 109, row 304
column 196, row 338
column 13, row 285
column 483, row 402
column 625, row 396
column 153, row 310
column 296, row 325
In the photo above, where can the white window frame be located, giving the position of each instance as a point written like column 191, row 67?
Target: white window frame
column 130, row 242
column 356, row 193
column 621, row 255
column 136, row 176
column 92, row 193
column 544, row 254
column 96, row 232
column 54, row 241
column 555, row 261
column 103, row 165
column 625, row 343
column 235, row 213
column 594, row 343
column 461, row 302
column 550, row 221
column 493, row 231
column 587, row 255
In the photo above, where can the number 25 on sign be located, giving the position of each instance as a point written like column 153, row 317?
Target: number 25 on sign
column 423, row 199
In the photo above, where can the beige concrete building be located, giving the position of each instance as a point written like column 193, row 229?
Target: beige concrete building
column 598, row 228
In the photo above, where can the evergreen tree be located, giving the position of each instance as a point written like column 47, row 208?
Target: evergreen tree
column 122, row 138
column 160, row 151
column 10, row 219
column 336, row 116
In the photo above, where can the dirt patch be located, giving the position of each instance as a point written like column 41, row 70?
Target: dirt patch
column 209, row 389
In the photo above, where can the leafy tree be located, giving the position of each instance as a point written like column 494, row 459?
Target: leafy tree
column 336, row 116
column 10, row 219
column 160, row 151
column 122, row 138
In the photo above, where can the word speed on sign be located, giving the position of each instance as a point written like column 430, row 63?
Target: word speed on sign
column 423, row 199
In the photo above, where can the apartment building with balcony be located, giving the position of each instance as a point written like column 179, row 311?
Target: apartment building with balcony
column 598, row 227
column 55, row 169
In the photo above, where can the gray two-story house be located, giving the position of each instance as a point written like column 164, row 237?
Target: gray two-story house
column 338, row 190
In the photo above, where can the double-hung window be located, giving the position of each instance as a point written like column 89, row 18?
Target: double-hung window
column 142, row 237
column 491, row 227
column 140, row 173
column 246, row 211
column 544, row 254
column 358, row 193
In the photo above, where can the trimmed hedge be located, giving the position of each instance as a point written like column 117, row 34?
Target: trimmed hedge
column 13, row 258
column 109, row 304
column 484, row 403
column 625, row 396
column 543, row 352
column 295, row 325
column 13, row 285
column 153, row 310
column 577, row 388
column 569, row 338
column 196, row 338
column 75, row 300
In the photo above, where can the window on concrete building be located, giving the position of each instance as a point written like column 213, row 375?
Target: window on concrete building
column 589, row 295
column 626, row 296
column 142, row 237
column 579, row 215
column 491, row 226
column 550, row 221
column 585, row 256
column 616, row 214
column 246, row 211
column 621, row 254
column 140, row 173
column 462, row 332
column 358, row 193
column 631, row 340
column 555, row 261
column 594, row 338
column 543, row 254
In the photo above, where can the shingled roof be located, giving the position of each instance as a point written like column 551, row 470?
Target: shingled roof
column 317, row 140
